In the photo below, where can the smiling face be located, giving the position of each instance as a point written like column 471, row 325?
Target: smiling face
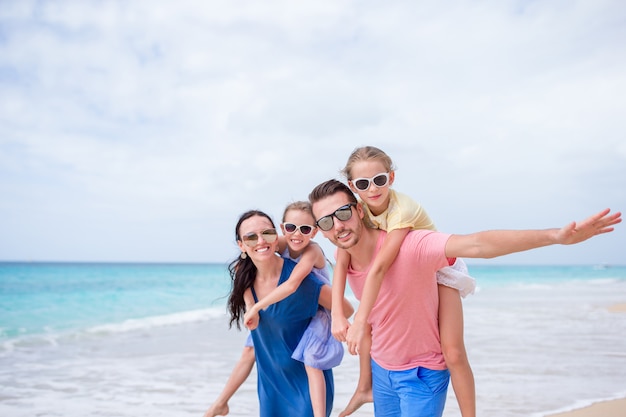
column 297, row 240
column 376, row 198
column 260, row 250
column 344, row 233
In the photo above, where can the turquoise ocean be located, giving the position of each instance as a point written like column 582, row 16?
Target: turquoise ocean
column 104, row 339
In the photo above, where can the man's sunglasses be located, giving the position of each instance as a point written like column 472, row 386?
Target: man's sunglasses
column 305, row 229
column 251, row 239
column 343, row 213
column 379, row 180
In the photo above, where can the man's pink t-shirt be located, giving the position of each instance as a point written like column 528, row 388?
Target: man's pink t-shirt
column 404, row 320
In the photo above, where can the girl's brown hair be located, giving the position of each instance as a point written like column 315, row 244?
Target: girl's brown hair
column 299, row 205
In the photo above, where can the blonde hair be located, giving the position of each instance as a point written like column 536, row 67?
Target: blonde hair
column 299, row 205
column 367, row 153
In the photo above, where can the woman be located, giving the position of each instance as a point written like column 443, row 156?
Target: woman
column 282, row 381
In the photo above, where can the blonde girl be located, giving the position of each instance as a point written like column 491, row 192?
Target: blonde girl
column 370, row 174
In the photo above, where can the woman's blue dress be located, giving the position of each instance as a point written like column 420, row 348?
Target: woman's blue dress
column 283, row 386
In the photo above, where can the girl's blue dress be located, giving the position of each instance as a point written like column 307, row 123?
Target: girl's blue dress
column 318, row 348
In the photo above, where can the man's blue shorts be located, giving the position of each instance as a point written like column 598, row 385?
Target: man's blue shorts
column 417, row 392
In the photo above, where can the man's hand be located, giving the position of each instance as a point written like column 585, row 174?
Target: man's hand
column 355, row 335
column 597, row 224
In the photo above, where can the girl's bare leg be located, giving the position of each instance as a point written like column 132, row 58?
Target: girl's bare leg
column 317, row 390
column 453, row 348
column 363, row 392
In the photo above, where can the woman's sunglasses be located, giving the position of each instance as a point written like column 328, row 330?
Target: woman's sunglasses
column 379, row 180
column 343, row 213
column 305, row 229
column 251, row 239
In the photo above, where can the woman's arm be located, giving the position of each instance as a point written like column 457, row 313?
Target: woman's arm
column 373, row 281
column 339, row 322
column 312, row 256
column 238, row 376
column 248, row 299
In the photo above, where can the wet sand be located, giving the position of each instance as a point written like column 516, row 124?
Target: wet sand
column 613, row 408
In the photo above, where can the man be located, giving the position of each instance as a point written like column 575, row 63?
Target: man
column 408, row 370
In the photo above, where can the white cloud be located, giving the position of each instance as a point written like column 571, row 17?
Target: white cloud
column 156, row 124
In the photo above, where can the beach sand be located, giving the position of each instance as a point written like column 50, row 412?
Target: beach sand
column 613, row 408
column 618, row 308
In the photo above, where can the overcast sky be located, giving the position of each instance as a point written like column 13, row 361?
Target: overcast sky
column 141, row 130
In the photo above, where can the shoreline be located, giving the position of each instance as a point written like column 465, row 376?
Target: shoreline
column 605, row 408
column 602, row 408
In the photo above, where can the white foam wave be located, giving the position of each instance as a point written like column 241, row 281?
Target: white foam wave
column 53, row 338
column 533, row 286
column 603, row 281
column 158, row 321
column 569, row 283
column 579, row 404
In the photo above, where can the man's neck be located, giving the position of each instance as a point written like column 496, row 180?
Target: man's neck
column 362, row 254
